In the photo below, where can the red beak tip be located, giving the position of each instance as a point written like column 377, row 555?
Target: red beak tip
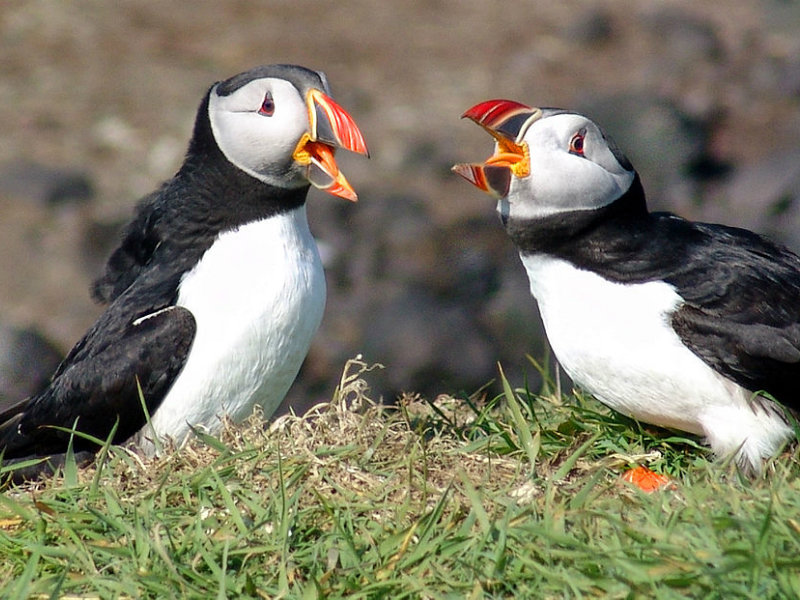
column 491, row 112
column 361, row 148
column 346, row 195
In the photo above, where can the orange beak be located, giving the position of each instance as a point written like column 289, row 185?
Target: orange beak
column 506, row 121
column 330, row 128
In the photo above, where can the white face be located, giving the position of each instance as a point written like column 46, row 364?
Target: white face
column 565, row 176
column 257, row 140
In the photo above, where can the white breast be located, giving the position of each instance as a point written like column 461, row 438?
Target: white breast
column 257, row 295
column 616, row 341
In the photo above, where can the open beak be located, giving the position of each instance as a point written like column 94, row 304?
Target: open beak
column 331, row 128
column 507, row 122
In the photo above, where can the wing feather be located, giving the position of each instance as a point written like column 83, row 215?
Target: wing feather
column 98, row 385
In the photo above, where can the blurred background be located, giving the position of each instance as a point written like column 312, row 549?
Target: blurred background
column 97, row 102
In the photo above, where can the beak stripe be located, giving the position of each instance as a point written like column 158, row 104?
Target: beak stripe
column 492, row 113
column 504, row 118
column 332, row 124
column 494, row 180
column 330, row 127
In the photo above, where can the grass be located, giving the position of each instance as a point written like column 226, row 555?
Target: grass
column 508, row 497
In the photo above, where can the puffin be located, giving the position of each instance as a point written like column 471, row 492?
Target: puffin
column 216, row 289
column 684, row 325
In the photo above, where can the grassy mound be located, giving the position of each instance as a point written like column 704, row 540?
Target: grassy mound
column 514, row 496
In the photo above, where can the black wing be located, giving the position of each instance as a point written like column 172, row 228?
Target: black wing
column 742, row 292
column 742, row 309
column 140, row 239
column 97, row 383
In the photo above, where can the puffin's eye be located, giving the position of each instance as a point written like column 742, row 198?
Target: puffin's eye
column 267, row 106
column 576, row 143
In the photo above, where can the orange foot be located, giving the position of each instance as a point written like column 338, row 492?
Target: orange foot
column 646, row 480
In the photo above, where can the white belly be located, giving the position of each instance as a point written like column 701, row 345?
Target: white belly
column 257, row 295
column 616, row 341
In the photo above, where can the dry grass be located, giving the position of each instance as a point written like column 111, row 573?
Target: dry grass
column 515, row 496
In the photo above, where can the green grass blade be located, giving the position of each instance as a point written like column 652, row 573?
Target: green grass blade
column 222, row 593
column 148, row 423
column 530, row 444
column 20, row 590
column 475, row 502
column 70, row 468
column 572, row 459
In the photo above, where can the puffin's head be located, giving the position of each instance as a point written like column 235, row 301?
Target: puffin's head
column 279, row 124
column 546, row 161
